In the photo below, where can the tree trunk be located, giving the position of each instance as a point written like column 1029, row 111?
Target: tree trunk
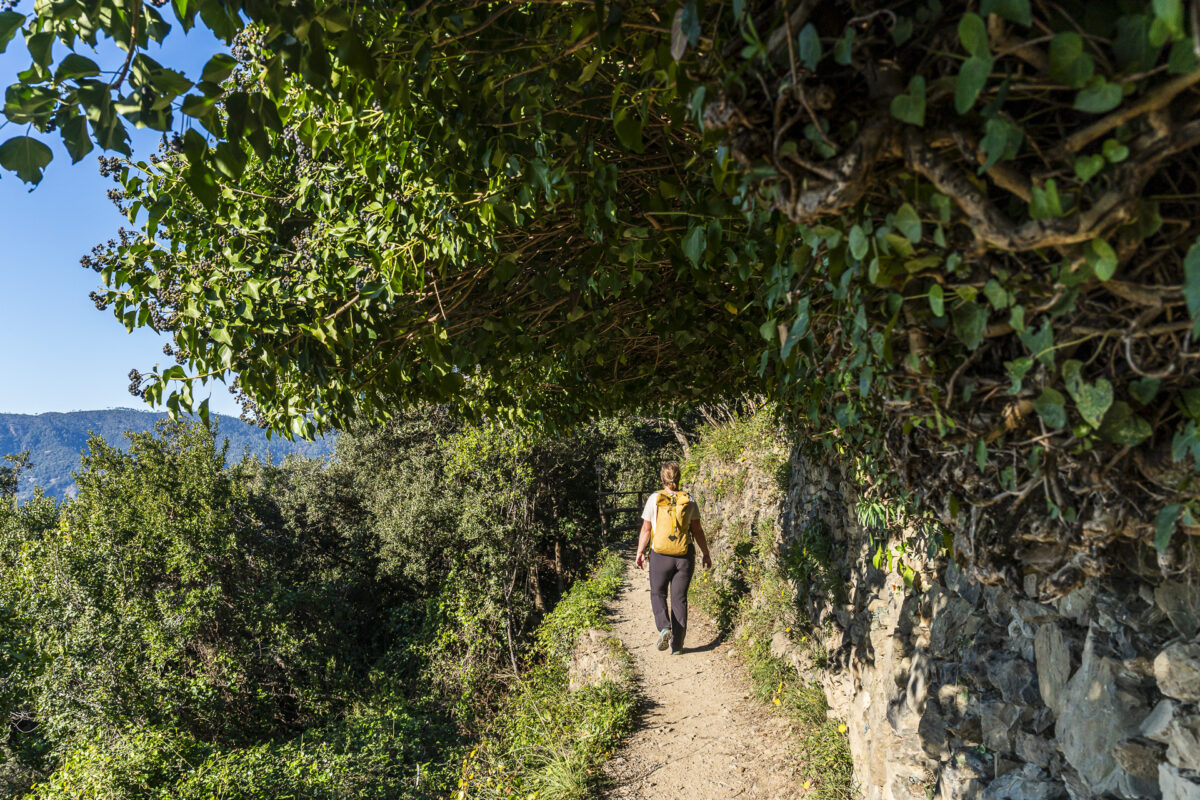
column 680, row 437
column 536, row 585
column 558, row 566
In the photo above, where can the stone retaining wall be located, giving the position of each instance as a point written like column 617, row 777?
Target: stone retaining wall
column 954, row 690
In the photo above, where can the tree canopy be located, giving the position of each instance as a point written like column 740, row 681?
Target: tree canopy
column 961, row 235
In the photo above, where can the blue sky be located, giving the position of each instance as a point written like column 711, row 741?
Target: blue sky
column 57, row 352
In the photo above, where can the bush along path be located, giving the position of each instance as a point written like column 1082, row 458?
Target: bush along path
column 558, row 726
column 700, row 734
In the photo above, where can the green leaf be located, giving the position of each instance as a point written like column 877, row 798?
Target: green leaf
column 685, row 30
column 996, row 294
column 970, row 323
column 859, row 245
column 1144, row 389
column 1099, row 97
column 937, row 300
column 972, row 76
column 1017, row 369
column 972, row 32
column 1017, row 11
column 75, row 138
column 900, row 245
column 25, row 156
column 1051, row 407
column 1016, row 318
column 194, row 146
column 76, row 66
column 1102, row 259
column 629, row 129
column 864, row 381
column 693, row 244
column 10, row 22
column 1087, row 166
column 908, row 223
column 1001, row 140
column 1168, row 21
column 1114, row 151
column 910, row 107
column 218, row 68
column 1191, row 285
column 1092, row 399
column 1045, row 203
column 229, row 159
column 1132, row 46
column 691, row 23
column 41, row 47
column 202, row 183
column 1121, row 426
column 843, row 51
column 967, row 293
column 797, row 331
column 1069, row 64
column 810, row 47
column 1164, row 525
column 1190, row 402
column 981, row 454
column 1186, row 441
column 506, row 269
column 1181, row 60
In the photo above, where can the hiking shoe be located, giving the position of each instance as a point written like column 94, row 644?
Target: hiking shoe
column 676, row 652
column 664, row 638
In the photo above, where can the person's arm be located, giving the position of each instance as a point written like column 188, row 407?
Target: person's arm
column 643, row 541
column 698, row 535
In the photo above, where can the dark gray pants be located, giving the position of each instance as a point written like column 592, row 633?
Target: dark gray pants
column 674, row 572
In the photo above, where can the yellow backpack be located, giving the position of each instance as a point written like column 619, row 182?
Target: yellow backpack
column 673, row 525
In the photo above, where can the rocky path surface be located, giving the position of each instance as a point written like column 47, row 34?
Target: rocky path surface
column 700, row 734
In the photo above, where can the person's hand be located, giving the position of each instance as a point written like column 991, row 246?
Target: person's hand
column 640, row 560
column 707, row 561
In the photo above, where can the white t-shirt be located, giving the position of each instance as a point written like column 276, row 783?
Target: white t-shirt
column 650, row 512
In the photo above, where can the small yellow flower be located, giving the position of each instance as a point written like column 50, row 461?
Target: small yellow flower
column 842, row 728
column 808, row 784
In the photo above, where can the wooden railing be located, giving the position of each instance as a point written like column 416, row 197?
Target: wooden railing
column 615, row 511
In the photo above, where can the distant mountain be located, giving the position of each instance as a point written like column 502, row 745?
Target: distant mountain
column 55, row 440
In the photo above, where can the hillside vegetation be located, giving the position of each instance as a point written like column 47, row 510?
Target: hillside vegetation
column 188, row 626
column 56, row 439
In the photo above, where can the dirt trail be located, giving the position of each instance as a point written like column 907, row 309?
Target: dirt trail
column 700, row 734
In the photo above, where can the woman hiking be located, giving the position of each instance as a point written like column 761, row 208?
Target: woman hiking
column 671, row 522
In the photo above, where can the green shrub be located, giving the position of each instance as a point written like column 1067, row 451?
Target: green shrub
column 384, row 750
column 188, row 628
column 171, row 594
column 547, row 739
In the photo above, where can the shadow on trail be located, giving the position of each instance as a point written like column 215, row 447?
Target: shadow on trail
column 646, row 704
column 704, row 648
